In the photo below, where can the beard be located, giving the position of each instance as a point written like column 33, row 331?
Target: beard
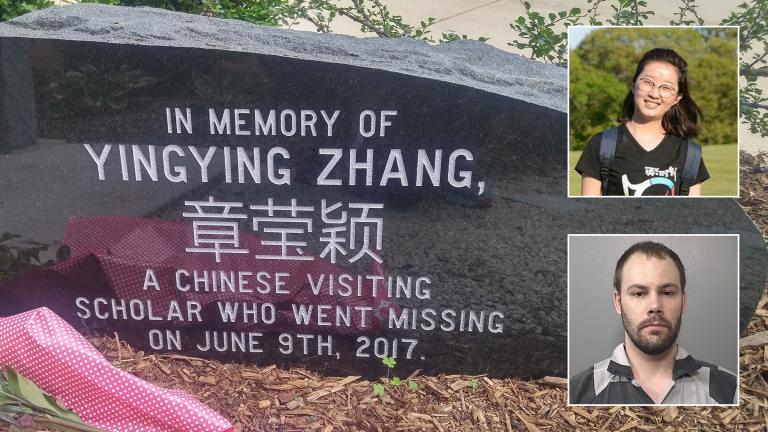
column 652, row 344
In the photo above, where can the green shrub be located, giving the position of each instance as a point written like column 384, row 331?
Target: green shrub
column 12, row 8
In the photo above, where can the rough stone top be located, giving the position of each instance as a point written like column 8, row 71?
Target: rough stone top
column 469, row 63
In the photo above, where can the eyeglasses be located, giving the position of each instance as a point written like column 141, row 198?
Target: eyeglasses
column 646, row 86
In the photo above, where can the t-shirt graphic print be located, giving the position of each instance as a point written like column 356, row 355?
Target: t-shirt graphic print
column 639, row 172
column 663, row 180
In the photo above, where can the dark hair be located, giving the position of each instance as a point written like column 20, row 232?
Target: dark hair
column 682, row 119
column 649, row 249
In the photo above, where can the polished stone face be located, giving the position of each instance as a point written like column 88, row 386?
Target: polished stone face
column 271, row 209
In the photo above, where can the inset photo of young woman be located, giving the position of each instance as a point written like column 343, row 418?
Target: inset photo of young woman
column 653, row 111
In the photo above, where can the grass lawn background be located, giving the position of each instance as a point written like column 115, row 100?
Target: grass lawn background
column 721, row 162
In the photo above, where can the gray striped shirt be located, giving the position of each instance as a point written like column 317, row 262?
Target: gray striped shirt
column 610, row 382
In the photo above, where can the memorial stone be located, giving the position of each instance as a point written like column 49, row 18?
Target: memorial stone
column 226, row 190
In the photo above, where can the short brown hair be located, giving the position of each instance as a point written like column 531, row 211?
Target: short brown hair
column 649, row 249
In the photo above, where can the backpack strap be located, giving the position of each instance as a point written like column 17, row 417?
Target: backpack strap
column 607, row 151
column 690, row 168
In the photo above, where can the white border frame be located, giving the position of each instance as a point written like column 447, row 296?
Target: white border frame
column 738, row 112
column 738, row 318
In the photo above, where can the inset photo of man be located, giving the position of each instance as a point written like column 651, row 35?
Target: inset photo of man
column 653, row 319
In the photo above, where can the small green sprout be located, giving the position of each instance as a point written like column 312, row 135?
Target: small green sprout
column 379, row 389
column 473, row 383
column 389, row 362
column 413, row 385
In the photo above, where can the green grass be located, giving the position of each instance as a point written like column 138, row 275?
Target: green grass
column 721, row 162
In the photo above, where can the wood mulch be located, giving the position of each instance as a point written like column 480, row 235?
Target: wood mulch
column 273, row 399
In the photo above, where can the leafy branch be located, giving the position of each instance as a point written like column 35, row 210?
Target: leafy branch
column 537, row 33
column 630, row 13
column 687, row 7
column 754, row 107
column 373, row 16
column 753, row 38
column 593, row 13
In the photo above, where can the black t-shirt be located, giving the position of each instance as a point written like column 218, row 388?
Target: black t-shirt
column 638, row 172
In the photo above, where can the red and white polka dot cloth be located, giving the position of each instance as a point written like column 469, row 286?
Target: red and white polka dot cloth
column 44, row 348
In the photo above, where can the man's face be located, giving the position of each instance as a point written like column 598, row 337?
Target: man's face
column 650, row 302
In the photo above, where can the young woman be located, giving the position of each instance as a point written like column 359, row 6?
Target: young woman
column 650, row 147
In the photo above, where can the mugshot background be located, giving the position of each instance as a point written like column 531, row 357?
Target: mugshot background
column 709, row 329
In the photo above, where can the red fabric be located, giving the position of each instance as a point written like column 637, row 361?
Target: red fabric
column 45, row 349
